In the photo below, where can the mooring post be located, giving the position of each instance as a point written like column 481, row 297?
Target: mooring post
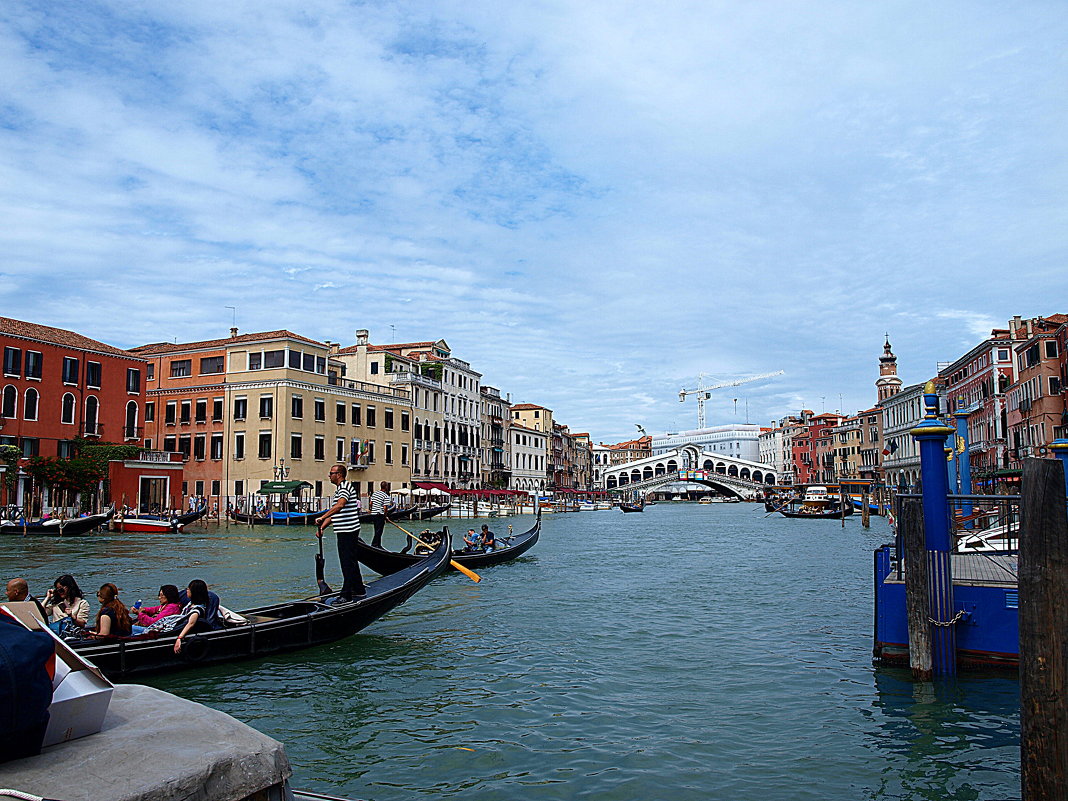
column 917, row 596
column 964, row 461
column 865, row 512
column 1043, row 615
column 931, row 435
column 1060, row 450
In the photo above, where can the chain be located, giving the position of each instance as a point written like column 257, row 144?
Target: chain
column 956, row 619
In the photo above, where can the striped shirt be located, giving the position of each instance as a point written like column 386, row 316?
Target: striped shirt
column 380, row 502
column 347, row 519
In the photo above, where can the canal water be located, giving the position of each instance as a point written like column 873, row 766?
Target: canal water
column 689, row 652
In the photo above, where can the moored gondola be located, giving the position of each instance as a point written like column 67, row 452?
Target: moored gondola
column 273, row 629
column 387, row 562
column 813, row 513
column 431, row 511
column 632, row 507
column 57, row 527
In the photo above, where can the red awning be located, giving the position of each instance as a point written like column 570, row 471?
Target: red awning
column 433, row 485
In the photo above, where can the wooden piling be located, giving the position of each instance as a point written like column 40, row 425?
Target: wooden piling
column 917, row 598
column 1043, row 615
column 865, row 512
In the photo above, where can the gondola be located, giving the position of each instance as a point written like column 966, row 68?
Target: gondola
column 387, row 562
column 58, row 528
column 395, row 514
column 432, row 511
column 278, row 518
column 833, row 513
column 632, row 507
column 273, row 629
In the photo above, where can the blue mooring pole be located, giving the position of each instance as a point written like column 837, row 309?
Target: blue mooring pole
column 964, row 461
column 931, row 435
column 1060, row 450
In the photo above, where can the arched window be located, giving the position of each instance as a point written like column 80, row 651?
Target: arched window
column 29, row 406
column 92, row 407
column 11, row 402
column 131, row 420
column 68, row 409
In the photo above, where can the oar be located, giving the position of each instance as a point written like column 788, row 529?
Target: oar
column 471, row 574
column 320, row 568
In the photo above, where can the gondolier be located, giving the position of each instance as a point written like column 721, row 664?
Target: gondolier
column 380, row 504
column 344, row 516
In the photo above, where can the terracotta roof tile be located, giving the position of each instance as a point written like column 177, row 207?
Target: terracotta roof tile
column 170, row 347
column 59, row 336
column 522, row 406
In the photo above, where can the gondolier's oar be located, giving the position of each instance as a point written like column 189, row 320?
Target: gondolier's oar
column 471, row 574
column 320, row 569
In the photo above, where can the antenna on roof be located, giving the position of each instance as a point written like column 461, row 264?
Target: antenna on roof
column 233, row 324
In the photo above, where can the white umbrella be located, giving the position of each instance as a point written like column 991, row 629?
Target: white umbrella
column 420, row 491
column 401, row 491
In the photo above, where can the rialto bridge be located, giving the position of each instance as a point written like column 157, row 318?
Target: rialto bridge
column 727, row 474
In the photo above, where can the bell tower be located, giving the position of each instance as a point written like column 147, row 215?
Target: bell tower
column 888, row 383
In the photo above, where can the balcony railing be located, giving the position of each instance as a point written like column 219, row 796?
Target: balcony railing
column 133, row 432
column 414, row 378
column 92, row 429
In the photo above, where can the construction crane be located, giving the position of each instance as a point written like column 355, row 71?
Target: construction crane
column 704, row 392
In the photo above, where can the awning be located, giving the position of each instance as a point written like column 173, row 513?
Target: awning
column 282, row 487
column 435, row 486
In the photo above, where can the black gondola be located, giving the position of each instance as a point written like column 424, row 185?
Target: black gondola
column 632, row 507
column 429, row 512
column 829, row 513
column 387, row 562
column 58, row 528
column 274, row 629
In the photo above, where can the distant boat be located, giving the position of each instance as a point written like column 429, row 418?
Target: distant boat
column 57, row 527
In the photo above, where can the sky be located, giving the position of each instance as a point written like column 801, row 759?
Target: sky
column 594, row 203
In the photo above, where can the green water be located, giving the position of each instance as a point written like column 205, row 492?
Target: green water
column 690, row 652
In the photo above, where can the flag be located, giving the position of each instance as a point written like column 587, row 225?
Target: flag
column 890, row 448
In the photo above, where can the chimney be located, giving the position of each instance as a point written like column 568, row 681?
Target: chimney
column 233, row 332
column 362, row 336
column 1014, row 324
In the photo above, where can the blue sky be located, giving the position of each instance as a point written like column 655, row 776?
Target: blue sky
column 591, row 202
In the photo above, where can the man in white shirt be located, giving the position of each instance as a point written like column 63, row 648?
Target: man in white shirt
column 344, row 515
column 381, row 504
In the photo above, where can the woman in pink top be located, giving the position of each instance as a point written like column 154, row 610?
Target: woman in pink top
column 168, row 605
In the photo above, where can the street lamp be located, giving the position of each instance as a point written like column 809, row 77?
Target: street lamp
column 281, row 472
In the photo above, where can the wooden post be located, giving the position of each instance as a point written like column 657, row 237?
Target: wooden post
column 842, row 503
column 865, row 512
column 1043, row 615
column 917, row 598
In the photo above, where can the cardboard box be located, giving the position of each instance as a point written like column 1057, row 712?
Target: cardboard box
column 80, row 692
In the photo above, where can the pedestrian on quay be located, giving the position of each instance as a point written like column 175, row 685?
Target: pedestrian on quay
column 381, row 504
column 344, row 515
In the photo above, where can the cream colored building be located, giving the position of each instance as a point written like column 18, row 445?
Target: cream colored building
column 529, row 466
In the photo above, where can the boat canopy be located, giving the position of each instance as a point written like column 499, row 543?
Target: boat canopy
column 282, row 487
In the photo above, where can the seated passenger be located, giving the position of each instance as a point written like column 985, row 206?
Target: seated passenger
column 430, row 541
column 19, row 590
column 195, row 611
column 113, row 619
column 65, row 605
column 472, row 541
column 168, row 605
column 489, row 539
column 212, row 616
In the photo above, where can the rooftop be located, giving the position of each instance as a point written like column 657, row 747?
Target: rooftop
column 172, row 347
column 58, row 336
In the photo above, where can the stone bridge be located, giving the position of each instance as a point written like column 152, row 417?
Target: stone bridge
column 727, row 474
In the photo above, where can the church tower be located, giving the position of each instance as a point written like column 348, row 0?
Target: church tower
column 888, row 384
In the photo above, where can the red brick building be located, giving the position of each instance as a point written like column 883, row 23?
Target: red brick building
column 58, row 385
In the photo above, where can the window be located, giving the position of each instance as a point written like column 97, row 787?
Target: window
column 240, row 408
column 200, row 447
column 294, row 359
column 404, row 454
column 266, row 407
column 216, row 447
column 274, row 358
column 13, row 362
column 405, row 423
column 170, row 443
column 187, row 408
column 1054, row 386
column 70, row 370
column 217, row 410
column 387, row 416
column 374, row 368
column 340, row 453
column 68, row 409
column 65, row 449
column 198, row 487
column 1051, row 352
column 370, row 453
column 340, row 413
column 309, row 362
column 389, row 453
column 216, row 487
column 133, row 380
column 33, row 364
column 202, row 410
column 264, row 449
column 297, row 407
column 181, row 368
column 296, row 446
column 239, row 446
column 255, row 361
column 11, row 402
column 210, row 365
column 150, row 412
column 320, row 410
column 150, row 372
column 29, row 406
column 184, row 441
column 320, row 365
column 355, row 414
column 371, row 416
column 170, row 413
column 31, row 446
column 320, row 448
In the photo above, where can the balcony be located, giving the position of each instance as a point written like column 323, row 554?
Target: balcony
column 92, row 429
column 133, row 432
column 416, row 379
